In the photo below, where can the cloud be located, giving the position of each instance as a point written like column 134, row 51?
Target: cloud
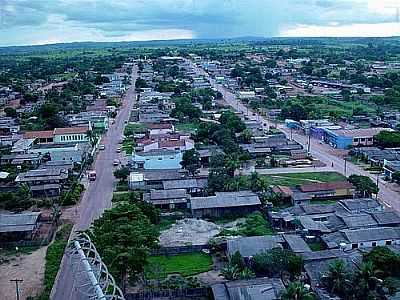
column 32, row 21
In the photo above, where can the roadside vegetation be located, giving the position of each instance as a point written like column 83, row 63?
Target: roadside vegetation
column 54, row 255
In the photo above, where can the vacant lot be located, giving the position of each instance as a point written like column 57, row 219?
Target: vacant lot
column 185, row 264
column 294, row 179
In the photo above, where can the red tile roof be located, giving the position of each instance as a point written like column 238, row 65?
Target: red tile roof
column 171, row 143
column 71, row 130
column 44, row 134
column 326, row 186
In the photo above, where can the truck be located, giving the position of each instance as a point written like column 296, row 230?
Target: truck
column 92, row 175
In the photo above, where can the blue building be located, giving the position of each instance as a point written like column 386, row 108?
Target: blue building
column 336, row 140
column 158, row 159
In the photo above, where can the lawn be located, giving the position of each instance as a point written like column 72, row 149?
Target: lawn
column 187, row 264
column 293, row 179
column 187, row 127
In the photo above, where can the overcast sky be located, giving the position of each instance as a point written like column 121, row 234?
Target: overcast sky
column 25, row 22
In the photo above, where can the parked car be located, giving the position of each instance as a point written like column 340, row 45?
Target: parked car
column 118, row 150
column 116, row 162
column 102, row 147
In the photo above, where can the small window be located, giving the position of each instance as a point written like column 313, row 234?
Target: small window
column 354, row 246
column 388, row 243
column 373, row 244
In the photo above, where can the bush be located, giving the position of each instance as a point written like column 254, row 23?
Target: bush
column 54, row 255
column 274, row 261
column 255, row 225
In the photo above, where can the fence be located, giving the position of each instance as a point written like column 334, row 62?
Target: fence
column 193, row 293
column 32, row 243
column 178, row 250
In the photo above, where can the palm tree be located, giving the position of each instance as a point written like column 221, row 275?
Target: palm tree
column 366, row 281
column 297, row 291
column 230, row 272
column 337, row 278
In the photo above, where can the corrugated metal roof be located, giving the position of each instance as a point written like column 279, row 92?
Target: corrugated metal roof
column 226, row 199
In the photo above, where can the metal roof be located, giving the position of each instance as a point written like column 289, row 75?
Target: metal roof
column 18, row 222
column 226, row 199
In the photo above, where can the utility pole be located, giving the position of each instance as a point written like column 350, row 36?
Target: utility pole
column 309, row 143
column 345, row 166
column 377, row 186
column 17, row 281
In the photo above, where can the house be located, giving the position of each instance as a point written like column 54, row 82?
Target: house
column 325, row 190
column 191, row 185
column 391, row 167
column 32, row 159
column 253, row 289
column 71, row 135
column 157, row 159
column 46, row 182
column 59, row 135
column 162, row 128
column 73, row 152
column 346, row 138
column 155, row 179
column 168, row 199
column 362, row 238
column 168, row 144
column 234, row 203
column 15, row 227
column 40, row 137
column 250, row 246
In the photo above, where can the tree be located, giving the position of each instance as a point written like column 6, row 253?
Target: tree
column 10, row 112
column 385, row 260
column 275, row 261
column 122, row 173
column 337, row 279
column 364, row 185
column 191, row 161
column 124, row 236
column 366, row 283
column 297, row 291
column 388, row 139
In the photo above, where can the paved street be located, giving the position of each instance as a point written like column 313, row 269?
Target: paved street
column 97, row 197
column 387, row 194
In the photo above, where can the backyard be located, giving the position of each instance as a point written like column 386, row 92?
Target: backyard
column 187, row 264
column 293, row 179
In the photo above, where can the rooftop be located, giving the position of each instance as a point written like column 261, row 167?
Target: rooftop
column 226, row 199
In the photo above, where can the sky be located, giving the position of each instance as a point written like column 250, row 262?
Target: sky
column 34, row 22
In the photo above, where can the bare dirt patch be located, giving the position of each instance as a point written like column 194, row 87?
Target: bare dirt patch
column 189, row 232
column 29, row 268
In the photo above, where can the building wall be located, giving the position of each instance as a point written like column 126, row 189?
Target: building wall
column 221, row 211
column 158, row 162
column 370, row 244
column 71, row 138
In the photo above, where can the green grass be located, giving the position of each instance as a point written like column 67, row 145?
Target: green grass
column 293, row 179
column 54, row 255
column 187, row 127
column 316, row 246
column 185, row 264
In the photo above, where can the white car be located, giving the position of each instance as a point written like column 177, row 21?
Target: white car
column 102, row 147
column 118, row 150
column 116, row 162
